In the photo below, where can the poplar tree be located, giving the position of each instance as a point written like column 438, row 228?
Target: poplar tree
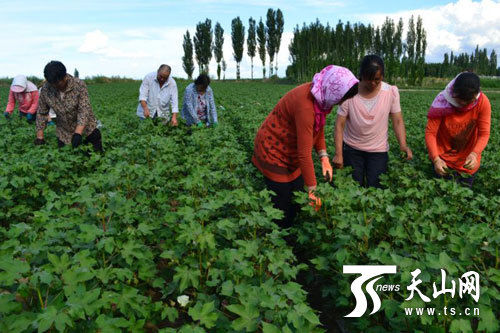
column 270, row 37
column 280, row 22
column 238, row 39
column 218, row 47
column 187, row 59
column 203, row 44
column 261, row 43
column 251, row 42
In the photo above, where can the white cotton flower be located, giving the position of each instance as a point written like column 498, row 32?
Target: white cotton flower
column 183, row 300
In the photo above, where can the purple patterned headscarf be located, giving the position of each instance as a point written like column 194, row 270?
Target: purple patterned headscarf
column 328, row 88
column 445, row 104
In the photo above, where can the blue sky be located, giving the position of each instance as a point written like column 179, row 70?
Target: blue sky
column 131, row 38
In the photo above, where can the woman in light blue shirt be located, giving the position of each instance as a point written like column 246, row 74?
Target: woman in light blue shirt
column 198, row 107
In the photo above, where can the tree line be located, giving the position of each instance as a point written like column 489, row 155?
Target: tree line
column 478, row 62
column 315, row 46
column 262, row 39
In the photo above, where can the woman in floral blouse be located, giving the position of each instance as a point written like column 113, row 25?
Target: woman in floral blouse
column 69, row 98
column 198, row 107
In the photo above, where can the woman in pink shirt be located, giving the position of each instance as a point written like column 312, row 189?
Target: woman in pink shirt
column 26, row 93
column 361, row 128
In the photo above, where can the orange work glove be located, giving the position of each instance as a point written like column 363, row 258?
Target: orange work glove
column 327, row 168
column 315, row 201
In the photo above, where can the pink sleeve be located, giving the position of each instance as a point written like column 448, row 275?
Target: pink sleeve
column 343, row 109
column 11, row 103
column 34, row 104
column 396, row 106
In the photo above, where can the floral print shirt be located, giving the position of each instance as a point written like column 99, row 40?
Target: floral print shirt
column 72, row 108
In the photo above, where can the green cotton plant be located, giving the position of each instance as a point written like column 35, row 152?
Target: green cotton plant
column 108, row 242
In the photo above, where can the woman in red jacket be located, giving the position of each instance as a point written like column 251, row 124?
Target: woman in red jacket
column 283, row 145
column 458, row 128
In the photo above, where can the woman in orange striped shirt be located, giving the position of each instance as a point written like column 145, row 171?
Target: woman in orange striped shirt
column 283, row 145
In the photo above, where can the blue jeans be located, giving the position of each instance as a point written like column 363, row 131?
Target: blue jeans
column 367, row 167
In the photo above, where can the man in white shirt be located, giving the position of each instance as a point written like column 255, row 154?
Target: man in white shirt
column 158, row 94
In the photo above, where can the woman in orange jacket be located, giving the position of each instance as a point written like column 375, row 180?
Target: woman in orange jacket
column 458, row 128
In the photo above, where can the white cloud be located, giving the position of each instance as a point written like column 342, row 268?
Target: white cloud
column 457, row 26
column 94, row 41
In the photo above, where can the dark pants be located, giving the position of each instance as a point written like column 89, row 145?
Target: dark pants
column 367, row 167
column 466, row 180
column 283, row 200
column 94, row 138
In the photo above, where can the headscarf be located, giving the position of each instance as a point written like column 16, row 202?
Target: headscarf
column 445, row 104
column 21, row 84
column 328, row 88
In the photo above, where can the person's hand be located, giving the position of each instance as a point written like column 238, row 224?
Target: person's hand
column 440, row 166
column 214, row 124
column 338, row 161
column 326, row 168
column 407, row 151
column 146, row 112
column 173, row 122
column 39, row 142
column 76, row 140
column 471, row 161
column 315, row 201
column 6, row 115
column 199, row 125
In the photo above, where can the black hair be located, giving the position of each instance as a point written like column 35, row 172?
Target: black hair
column 350, row 93
column 466, row 86
column 370, row 65
column 54, row 71
column 202, row 80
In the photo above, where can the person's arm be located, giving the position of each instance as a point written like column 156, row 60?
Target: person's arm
column 41, row 115
column 11, row 104
column 398, row 123
column 483, row 135
column 34, row 103
column 190, row 101
column 213, row 110
column 143, row 96
column 400, row 131
column 84, row 109
column 483, row 124
column 338, row 158
column 174, row 103
column 320, row 146
column 304, row 126
column 431, row 131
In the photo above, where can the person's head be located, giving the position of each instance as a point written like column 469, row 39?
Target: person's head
column 201, row 83
column 55, row 74
column 371, row 71
column 466, row 88
column 163, row 73
column 19, row 84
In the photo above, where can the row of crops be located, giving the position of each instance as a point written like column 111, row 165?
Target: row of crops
column 171, row 229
